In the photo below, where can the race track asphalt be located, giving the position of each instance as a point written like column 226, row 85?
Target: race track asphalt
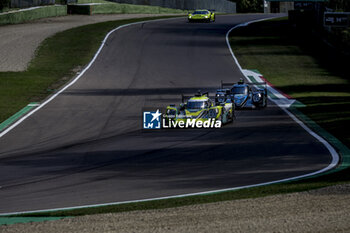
column 87, row 147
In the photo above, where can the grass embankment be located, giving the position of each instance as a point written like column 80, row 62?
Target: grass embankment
column 121, row 8
column 100, row 7
column 302, row 66
column 28, row 15
column 105, row 7
column 254, row 46
column 54, row 64
column 7, row 9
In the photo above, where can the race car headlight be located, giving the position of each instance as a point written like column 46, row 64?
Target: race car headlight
column 190, row 16
column 256, row 97
column 206, row 16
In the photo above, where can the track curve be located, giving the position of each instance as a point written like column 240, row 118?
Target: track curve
column 87, row 147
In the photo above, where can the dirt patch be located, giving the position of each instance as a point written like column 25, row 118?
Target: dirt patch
column 323, row 210
column 19, row 42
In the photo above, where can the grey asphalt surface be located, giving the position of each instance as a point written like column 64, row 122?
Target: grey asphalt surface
column 87, row 146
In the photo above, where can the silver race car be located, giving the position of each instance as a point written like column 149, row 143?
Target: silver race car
column 246, row 95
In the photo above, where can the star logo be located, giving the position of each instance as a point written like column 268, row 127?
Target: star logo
column 156, row 115
column 151, row 120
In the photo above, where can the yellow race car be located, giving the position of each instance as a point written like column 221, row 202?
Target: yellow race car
column 201, row 108
column 201, row 16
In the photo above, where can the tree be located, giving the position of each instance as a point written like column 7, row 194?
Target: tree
column 4, row 4
column 339, row 5
column 244, row 6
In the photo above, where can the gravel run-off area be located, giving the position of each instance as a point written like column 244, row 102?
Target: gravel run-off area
column 19, row 42
column 323, row 210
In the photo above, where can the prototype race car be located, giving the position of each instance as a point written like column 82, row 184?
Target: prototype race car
column 247, row 95
column 201, row 16
column 201, row 108
column 222, row 96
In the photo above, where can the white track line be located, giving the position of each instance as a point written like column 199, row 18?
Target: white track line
column 74, row 80
column 335, row 156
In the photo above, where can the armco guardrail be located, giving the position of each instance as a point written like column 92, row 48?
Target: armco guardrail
column 218, row 5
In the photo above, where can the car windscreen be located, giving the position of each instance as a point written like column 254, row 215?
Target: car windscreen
column 196, row 104
column 240, row 90
column 200, row 12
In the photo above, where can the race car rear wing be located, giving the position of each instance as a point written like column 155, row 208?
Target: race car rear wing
column 223, row 85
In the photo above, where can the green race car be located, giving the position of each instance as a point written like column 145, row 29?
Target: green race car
column 201, row 16
column 201, row 108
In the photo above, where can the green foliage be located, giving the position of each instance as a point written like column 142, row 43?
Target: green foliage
column 253, row 6
column 339, row 5
column 339, row 38
column 23, row 16
column 4, row 4
column 345, row 35
column 114, row 8
column 303, row 66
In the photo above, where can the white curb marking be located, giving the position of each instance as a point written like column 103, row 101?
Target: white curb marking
column 280, row 99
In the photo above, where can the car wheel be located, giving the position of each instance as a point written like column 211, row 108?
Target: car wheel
column 220, row 119
column 265, row 103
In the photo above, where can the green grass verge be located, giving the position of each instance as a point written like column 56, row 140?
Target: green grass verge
column 55, row 62
column 130, row 9
column 14, row 220
column 92, row 1
column 24, row 16
column 302, row 66
column 117, row 8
